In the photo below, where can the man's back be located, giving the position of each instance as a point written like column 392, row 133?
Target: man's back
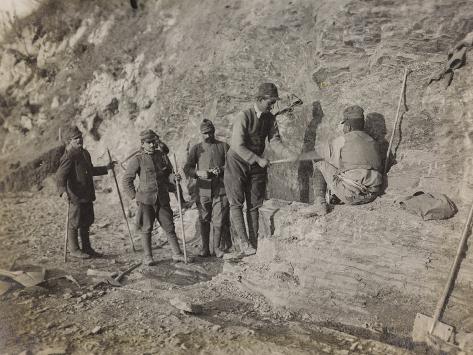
column 360, row 151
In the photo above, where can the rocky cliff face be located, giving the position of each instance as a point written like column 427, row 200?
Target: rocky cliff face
column 114, row 71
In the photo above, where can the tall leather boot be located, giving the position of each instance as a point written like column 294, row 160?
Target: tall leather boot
column 174, row 243
column 73, row 241
column 147, row 251
column 205, row 237
column 320, row 187
column 238, row 222
column 217, row 236
column 86, row 247
column 253, row 224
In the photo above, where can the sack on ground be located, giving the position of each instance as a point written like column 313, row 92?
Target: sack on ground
column 429, row 206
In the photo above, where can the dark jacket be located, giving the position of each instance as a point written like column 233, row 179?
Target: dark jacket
column 249, row 135
column 205, row 156
column 153, row 171
column 75, row 173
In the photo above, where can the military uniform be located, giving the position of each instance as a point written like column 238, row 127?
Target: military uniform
column 212, row 201
column 352, row 165
column 152, row 197
column 74, row 177
column 245, row 180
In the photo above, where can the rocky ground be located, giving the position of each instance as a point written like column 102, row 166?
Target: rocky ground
column 61, row 316
column 114, row 71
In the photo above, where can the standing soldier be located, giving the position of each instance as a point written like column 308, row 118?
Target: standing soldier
column 152, row 195
column 205, row 162
column 246, row 168
column 75, row 185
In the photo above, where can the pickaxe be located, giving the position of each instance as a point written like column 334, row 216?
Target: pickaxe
column 289, row 108
column 116, row 281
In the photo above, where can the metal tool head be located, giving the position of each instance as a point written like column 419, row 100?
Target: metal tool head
column 113, row 282
column 422, row 325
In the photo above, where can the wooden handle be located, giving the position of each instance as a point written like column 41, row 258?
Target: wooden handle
column 403, row 88
column 121, row 202
column 180, row 211
column 453, row 271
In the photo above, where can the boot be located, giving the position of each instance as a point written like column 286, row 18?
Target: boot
column 173, row 242
column 216, row 241
column 320, row 187
column 239, row 225
column 73, row 241
column 205, row 235
column 253, row 226
column 147, row 251
column 86, row 247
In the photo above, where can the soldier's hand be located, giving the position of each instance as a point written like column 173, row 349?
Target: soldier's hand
column 65, row 197
column 111, row 165
column 174, row 178
column 263, row 162
column 216, row 171
column 203, row 174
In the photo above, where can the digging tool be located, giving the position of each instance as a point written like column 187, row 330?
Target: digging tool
column 401, row 96
column 180, row 213
column 289, row 108
column 424, row 325
column 116, row 281
column 307, row 156
column 66, row 234
column 121, row 200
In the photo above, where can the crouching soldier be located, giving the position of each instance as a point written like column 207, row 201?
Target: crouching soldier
column 75, row 185
column 152, row 194
column 205, row 162
column 351, row 167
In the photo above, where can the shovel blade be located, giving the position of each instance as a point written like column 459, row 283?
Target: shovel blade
column 422, row 326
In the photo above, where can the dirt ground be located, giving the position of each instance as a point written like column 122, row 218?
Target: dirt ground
column 62, row 317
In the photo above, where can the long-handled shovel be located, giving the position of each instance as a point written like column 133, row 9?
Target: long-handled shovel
column 424, row 325
column 180, row 212
column 66, row 235
column 121, row 202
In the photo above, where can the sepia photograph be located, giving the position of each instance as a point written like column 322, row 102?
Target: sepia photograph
column 236, row 177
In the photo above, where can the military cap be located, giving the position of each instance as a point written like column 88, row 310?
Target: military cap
column 148, row 134
column 71, row 132
column 207, row 126
column 268, row 90
column 353, row 113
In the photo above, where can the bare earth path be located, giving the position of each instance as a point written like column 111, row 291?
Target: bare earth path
column 138, row 318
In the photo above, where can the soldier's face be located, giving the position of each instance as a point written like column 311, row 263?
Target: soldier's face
column 77, row 142
column 208, row 137
column 266, row 105
column 148, row 145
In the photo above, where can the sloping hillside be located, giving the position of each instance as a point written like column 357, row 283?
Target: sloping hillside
column 115, row 71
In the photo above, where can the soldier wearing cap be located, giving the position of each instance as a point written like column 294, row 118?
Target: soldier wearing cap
column 206, row 162
column 352, row 165
column 246, row 168
column 152, row 194
column 75, row 184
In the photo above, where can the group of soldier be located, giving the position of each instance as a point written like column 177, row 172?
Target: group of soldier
column 228, row 178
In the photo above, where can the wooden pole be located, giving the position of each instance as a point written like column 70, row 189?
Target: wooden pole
column 453, row 271
column 403, row 88
column 121, row 201
column 66, row 235
column 180, row 210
